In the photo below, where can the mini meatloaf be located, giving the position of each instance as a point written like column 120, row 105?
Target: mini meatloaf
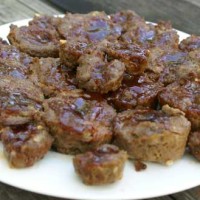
column 25, row 144
column 45, row 21
column 159, row 59
column 71, row 50
column 20, row 100
column 172, row 64
column 136, row 92
column 77, row 123
column 194, row 144
column 133, row 56
column 96, row 74
column 190, row 44
column 93, row 27
column 150, row 135
column 128, row 19
column 84, row 30
column 184, row 95
column 158, row 39
column 103, row 165
column 35, row 40
column 13, row 62
column 52, row 77
column 150, row 36
column 178, row 65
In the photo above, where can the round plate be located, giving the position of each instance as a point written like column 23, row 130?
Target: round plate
column 54, row 175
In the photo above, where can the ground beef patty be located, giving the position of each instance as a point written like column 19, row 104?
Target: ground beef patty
column 103, row 165
column 35, row 40
column 96, row 74
column 52, row 77
column 20, row 100
column 78, row 123
column 25, row 144
column 149, row 135
column 136, row 92
column 184, row 95
column 13, row 62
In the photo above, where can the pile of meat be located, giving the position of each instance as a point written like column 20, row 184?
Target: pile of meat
column 102, row 88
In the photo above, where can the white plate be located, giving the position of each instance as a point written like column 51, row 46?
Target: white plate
column 54, row 175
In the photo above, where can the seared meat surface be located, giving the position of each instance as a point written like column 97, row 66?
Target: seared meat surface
column 100, row 166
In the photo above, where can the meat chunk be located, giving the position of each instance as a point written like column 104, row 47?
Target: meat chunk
column 184, row 95
column 174, row 64
column 13, row 62
column 52, row 77
column 183, row 63
column 150, row 36
column 191, row 43
column 83, row 31
column 159, row 59
column 163, row 47
column 158, row 39
column 92, row 27
column 171, row 62
column 77, row 123
column 128, row 19
column 138, row 92
column 101, row 166
column 25, row 144
column 149, row 135
column 45, row 21
column 20, row 100
column 96, row 74
column 35, row 40
column 133, row 56
column 194, row 144
column 179, row 65
column 142, row 34
column 72, row 50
